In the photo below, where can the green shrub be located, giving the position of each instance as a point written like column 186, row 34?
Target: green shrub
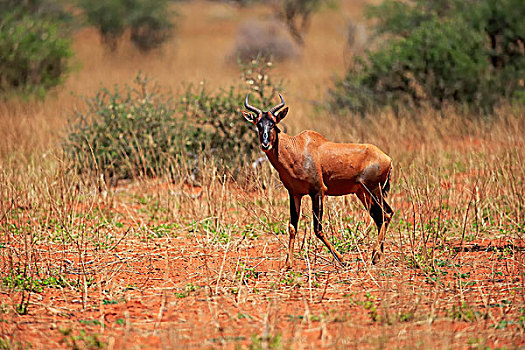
column 150, row 22
column 399, row 18
column 504, row 28
column 34, row 53
column 220, row 133
column 437, row 53
column 140, row 131
column 439, row 61
column 126, row 133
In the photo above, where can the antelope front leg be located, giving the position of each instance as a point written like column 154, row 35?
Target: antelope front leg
column 317, row 209
column 295, row 211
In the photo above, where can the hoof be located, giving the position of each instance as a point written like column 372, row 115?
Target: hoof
column 287, row 267
column 344, row 264
column 376, row 257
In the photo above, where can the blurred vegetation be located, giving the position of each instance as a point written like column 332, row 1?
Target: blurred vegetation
column 140, row 130
column 435, row 53
column 150, row 22
column 266, row 39
column 34, row 46
column 296, row 14
column 44, row 8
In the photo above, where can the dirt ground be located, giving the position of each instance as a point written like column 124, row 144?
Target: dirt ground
column 153, row 286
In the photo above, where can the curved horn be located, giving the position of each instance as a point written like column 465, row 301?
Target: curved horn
column 251, row 108
column 279, row 106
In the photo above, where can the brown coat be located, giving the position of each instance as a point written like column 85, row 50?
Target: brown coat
column 309, row 164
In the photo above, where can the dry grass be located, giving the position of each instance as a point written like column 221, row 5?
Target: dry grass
column 155, row 263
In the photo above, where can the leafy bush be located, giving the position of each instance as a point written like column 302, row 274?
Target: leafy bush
column 140, row 131
column 439, row 61
column 439, row 52
column 34, row 52
column 126, row 133
column 219, row 132
column 148, row 21
column 504, row 28
column 399, row 18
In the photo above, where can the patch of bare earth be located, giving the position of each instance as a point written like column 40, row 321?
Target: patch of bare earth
column 191, row 286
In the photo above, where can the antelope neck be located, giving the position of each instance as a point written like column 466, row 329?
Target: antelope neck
column 280, row 157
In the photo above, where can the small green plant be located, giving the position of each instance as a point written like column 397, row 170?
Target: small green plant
column 247, row 273
column 22, row 308
column 291, row 279
column 161, row 230
column 22, row 282
column 345, row 243
column 370, row 305
column 269, row 342
column 90, row 322
column 21, row 279
column 188, row 289
column 214, row 231
column 277, row 227
column 405, row 316
column 464, row 313
column 250, row 232
column 82, row 340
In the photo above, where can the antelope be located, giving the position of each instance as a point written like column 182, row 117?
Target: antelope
column 309, row 164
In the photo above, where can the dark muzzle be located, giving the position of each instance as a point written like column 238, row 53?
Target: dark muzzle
column 265, row 141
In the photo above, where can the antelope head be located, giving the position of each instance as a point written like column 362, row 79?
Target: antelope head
column 266, row 122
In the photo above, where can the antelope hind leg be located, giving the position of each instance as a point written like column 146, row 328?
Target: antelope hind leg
column 317, row 208
column 382, row 217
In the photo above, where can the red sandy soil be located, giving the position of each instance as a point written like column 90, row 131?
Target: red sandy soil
column 184, row 291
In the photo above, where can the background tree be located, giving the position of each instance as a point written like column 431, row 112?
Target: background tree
column 296, row 14
column 150, row 22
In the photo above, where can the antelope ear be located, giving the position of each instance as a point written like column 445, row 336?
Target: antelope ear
column 249, row 116
column 280, row 116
